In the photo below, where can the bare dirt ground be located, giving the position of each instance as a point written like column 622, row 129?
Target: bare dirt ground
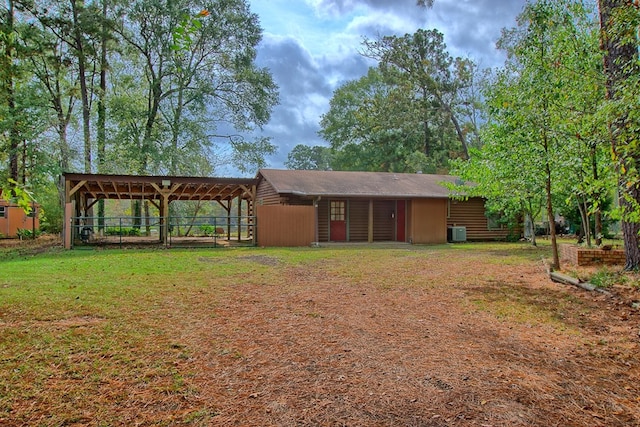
column 399, row 338
column 430, row 350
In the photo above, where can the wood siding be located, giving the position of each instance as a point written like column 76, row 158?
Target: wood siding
column 13, row 217
column 383, row 223
column 428, row 221
column 323, row 220
column 287, row 226
column 358, row 220
column 471, row 214
column 266, row 195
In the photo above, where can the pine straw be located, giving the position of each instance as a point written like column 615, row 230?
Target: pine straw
column 414, row 340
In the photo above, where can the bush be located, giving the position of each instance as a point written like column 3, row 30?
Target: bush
column 605, row 278
column 122, row 231
column 25, row 233
column 207, row 230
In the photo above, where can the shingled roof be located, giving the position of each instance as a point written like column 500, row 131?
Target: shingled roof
column 310, row 183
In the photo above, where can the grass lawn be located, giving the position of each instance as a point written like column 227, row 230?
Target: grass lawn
column 468, row 334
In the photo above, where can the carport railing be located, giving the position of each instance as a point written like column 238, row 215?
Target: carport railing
column 183, row 230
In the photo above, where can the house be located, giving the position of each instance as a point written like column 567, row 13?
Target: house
column 297, row 207
column 14, row 218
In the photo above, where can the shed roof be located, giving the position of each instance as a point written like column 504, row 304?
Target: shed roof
column 311, row 183
column 102, row 186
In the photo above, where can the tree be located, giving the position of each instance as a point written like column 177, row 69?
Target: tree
column 304, row 157
column 435, row 79
column 538, row 111
column 374, row 123
column 197, row 84
column 619, row 21
column 9, row 75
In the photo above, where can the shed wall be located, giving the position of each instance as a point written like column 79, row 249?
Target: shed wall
column 288, row 226
column 428, row 221
column 14, row 218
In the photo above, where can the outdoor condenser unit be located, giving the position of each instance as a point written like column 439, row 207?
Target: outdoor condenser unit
column 458, row 234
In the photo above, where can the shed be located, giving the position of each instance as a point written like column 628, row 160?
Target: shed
column 14, row 218
column 344, row 206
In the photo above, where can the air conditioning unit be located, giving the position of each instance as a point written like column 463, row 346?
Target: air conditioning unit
column 458, row 234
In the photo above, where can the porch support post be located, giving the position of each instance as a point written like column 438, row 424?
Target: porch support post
column 239, row 218
column 67, row 227
column 164, row 217
column 370, row 238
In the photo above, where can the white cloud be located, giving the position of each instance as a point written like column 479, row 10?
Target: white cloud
column 311, row 47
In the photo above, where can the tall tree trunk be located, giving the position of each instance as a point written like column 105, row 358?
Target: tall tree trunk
column 9, row 76
column 458, row 128
column 84, row 91
column 597, row 215
column 102, row 108
column 425, row 124
column 584, row 220
column 175, row 133
column 619, row 59
column 551, row 218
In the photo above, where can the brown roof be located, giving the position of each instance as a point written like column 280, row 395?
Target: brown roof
column 357, row 184
column 102, row 186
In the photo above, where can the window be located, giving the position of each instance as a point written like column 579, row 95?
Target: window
column 3, row 211
column 495, row 222
column 337, row 210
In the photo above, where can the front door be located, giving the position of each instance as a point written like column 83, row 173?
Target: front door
column 338, row 220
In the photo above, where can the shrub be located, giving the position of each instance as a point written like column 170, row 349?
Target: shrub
column 122, row 231
column 25, row 233
column 207, row 230
column 605, row 278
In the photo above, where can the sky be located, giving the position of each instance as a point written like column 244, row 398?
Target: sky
column 311, row 48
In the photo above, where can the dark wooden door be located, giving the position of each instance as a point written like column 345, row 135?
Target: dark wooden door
column 400, row 220
column 338, row 220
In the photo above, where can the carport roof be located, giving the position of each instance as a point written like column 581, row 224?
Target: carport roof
column 102, row 186
column 307, row 183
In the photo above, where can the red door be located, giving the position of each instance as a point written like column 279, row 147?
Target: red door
column 338, row 220
column 400, row 220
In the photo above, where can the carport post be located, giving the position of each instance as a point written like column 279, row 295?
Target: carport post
column 165, row 192
column 165, row 217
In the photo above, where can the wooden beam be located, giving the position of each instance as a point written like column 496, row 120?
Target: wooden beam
column 76, row 188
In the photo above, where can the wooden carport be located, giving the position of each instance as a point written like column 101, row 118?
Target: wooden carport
column 82, row 191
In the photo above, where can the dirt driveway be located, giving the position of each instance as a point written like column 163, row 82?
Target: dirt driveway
column 420, row 339
column 462, row 335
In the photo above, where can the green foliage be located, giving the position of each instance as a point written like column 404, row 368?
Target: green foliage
column 607, row 277
column 406, row 115
column 122, row 231
column 182, row 84
column 26, row 233
column 544, row 143
column 303, row 157
column 207, row 230
column 51, row 212
column 16, row 193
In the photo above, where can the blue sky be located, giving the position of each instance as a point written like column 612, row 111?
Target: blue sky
column 311, row 48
